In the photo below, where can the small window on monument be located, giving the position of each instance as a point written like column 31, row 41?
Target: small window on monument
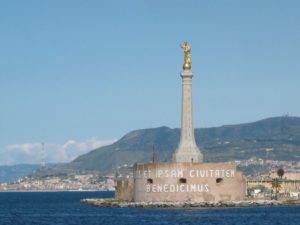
column 149, row 181
column 219, row 180
column 182, row 180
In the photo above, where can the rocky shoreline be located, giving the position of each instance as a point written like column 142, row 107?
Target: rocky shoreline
column 113, row 203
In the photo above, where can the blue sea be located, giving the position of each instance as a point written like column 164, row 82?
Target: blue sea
column 64, row 208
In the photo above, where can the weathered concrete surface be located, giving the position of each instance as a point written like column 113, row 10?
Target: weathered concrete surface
column 196, row 182
column 110, row 203
column 187, row 150
column 124, row 190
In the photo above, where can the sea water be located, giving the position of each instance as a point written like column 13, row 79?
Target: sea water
column 64, row 208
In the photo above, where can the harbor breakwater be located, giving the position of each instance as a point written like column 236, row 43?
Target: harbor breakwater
column 113, row 203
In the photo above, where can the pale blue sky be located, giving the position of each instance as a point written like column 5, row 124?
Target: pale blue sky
column 82, row 69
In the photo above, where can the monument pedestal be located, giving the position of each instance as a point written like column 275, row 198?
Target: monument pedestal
column 187, row 150
column 181, row 182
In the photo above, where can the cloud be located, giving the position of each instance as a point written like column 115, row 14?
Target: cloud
column 31, row 152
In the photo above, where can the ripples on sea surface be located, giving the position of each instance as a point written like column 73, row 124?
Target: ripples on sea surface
column 64, row 208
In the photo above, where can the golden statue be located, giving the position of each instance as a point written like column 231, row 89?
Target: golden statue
column 187, row 56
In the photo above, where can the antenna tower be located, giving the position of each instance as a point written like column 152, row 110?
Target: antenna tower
column 154, row 155
column 43, row 154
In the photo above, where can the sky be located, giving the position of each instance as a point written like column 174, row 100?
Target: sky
column 81, row 74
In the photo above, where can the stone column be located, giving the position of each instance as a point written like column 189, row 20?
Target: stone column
column 187, row 150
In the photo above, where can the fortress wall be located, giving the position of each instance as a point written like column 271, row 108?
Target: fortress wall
column 124, row 190
column 188, row 182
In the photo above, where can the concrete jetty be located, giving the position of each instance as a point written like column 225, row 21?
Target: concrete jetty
column 113, row 203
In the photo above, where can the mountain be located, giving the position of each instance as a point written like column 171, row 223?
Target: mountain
column 14, row 172
column 275, row 138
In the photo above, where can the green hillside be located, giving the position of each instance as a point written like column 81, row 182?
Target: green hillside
column 274, row 138
column 14, row 172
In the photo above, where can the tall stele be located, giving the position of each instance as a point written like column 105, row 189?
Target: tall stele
column 187, row 150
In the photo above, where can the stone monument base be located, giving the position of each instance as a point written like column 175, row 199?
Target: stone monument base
column 180, row 182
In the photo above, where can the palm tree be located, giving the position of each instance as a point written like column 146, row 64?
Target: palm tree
column 280, row 173
column 276, row 185
column 276, row 182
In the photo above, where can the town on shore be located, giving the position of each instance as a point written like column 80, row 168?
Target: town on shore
column 259, row 185
column 82, row 182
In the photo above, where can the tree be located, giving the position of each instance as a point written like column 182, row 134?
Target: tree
column 276, row 185
column 280, row 173
column 276, row 182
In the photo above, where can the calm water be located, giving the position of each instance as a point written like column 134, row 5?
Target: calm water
column 65, row 208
